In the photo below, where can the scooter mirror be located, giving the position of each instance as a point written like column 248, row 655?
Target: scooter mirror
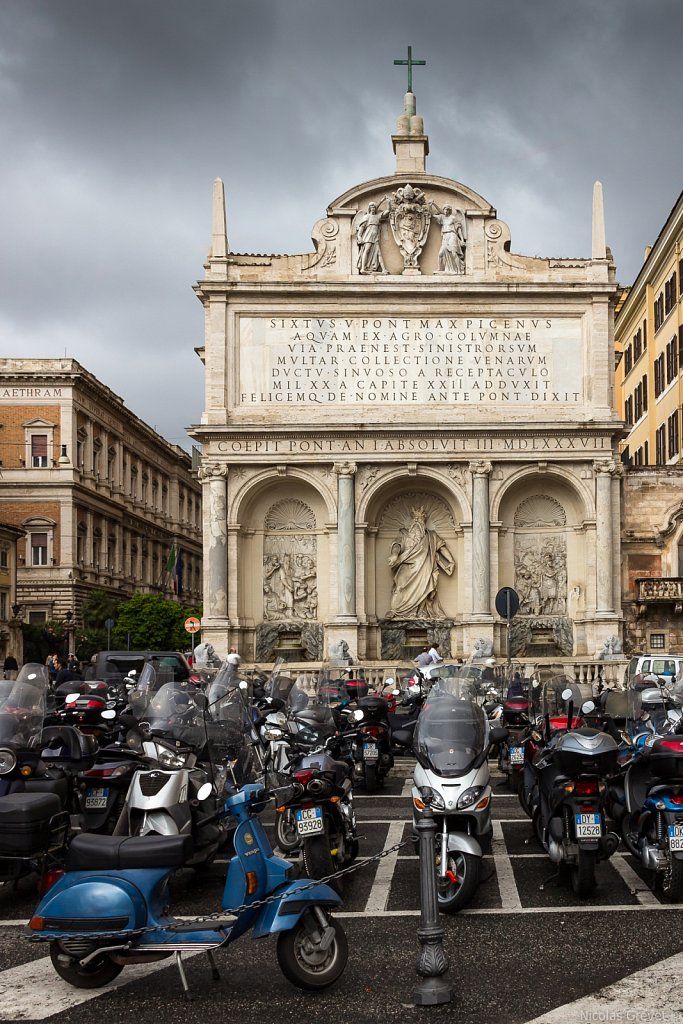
column 109, row 715
column 71, row 697
column 587, row 708
column 202, row 701
column 204, row 792
column 567, row 694
column 244, row 685
column 32, row 675
column 358, row 715
column 395, row 693
column 389, row 682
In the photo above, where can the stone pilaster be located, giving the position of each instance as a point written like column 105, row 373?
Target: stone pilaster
column 604, row 568
column 214, row 493
column 346, row 542
column 481, row 550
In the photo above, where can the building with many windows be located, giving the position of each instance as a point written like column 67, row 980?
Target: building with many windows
column 649, row 395
column 101, row 498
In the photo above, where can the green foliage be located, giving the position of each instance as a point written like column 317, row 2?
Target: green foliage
column 154, row 623
column 99, row 607
column 41, row 639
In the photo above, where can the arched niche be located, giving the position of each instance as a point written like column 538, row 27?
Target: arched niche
column 283, row 557
column 395, row 510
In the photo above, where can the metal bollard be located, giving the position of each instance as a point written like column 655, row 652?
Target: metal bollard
column 432, row 962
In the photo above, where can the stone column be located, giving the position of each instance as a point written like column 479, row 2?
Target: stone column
column 346, row 541
column 603, row 536
column 215, row 496
column 481, row 551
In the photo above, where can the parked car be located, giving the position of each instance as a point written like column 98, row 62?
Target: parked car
column 118, row 664
column 654, row 664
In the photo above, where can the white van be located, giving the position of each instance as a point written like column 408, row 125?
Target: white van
column 654, row 664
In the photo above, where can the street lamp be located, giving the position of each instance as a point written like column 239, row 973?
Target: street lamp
column 68, row 616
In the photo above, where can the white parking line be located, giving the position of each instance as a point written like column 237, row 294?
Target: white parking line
column 637, row 886
column 481, row 911
column 509, row 894
column 34, row 991
column 381, row 887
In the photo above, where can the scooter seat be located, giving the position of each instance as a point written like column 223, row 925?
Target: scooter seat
column 89, row 852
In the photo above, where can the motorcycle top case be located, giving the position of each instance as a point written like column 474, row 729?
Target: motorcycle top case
column 666, row 757
column 515, row 713
column 25, row 822
column 586, row 752
column 374, row 708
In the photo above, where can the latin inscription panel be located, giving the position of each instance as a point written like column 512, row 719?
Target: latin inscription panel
column 382, row 361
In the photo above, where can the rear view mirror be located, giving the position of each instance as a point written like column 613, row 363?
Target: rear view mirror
column 587, row 708
column 567, row 694
column 204, row 792
column 109, row 715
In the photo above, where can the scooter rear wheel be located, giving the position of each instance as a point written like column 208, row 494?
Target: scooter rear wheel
column 371, row 778
column 672, row 880
column 95, row 974
column 285, row 830
column 303, row 962
column 583, row 873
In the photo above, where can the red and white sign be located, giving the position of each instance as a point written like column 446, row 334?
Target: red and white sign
column 192, row 625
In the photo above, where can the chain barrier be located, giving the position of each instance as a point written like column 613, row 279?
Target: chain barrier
column 231, row 911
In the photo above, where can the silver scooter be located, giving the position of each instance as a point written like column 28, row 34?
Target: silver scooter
column 175, row 793
column 452, row 740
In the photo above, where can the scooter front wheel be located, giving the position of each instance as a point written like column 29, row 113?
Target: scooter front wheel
column 460, row 884
column 302, row 958
column 95, row 974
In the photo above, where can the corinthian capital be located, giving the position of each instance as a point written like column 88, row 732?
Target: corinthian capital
column 345, row 468
column 212, row 471
column 481, row 467
column 607, row 467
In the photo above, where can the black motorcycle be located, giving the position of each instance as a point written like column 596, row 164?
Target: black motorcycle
column 568, row 795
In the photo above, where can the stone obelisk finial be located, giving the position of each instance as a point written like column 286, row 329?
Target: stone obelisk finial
column 411, row 145
column 219, row 238
column 599, row 249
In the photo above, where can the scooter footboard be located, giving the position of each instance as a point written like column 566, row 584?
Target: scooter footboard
column 283, row 914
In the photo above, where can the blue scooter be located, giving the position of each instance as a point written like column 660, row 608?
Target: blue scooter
column 110, row 908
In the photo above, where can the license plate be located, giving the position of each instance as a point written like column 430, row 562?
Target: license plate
column 309, row 821
column 516, row 755
column 675, row 838
column 96, row 799
column 588, row 826
column 370, row 752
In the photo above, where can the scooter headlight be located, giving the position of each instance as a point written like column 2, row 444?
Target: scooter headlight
column 430, row 796
column 470, row 797
column 169, row 759
column 8, row 761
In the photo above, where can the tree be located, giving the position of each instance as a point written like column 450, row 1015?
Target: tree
column 98, row 607
column 153, row 623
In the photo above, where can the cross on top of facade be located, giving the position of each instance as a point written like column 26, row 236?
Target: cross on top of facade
column 411, row 64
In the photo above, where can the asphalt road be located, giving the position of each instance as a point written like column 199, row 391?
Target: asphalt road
column 523, row 951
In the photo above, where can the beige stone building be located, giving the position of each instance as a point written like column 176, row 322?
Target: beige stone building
column 99, row 495
column 402, row 422
column 11, row 640
column 649, row 345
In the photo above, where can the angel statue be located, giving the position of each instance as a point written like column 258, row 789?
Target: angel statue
column 368, row 227
column 453, row 239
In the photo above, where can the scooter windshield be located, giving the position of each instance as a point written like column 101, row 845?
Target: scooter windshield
column 450, row 735
column 168, row 710
column 22, row 704
column 455, row 680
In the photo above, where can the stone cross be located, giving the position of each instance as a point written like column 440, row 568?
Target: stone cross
column 411, row 64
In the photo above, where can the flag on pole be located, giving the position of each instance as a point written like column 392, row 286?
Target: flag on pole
column 171, row 560
column 178, row 574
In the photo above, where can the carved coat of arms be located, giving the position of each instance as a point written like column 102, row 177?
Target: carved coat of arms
column 409, row 216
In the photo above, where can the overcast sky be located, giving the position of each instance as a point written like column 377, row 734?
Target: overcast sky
column 116, row 116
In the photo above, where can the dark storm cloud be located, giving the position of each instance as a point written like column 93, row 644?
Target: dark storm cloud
column 115, row 116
